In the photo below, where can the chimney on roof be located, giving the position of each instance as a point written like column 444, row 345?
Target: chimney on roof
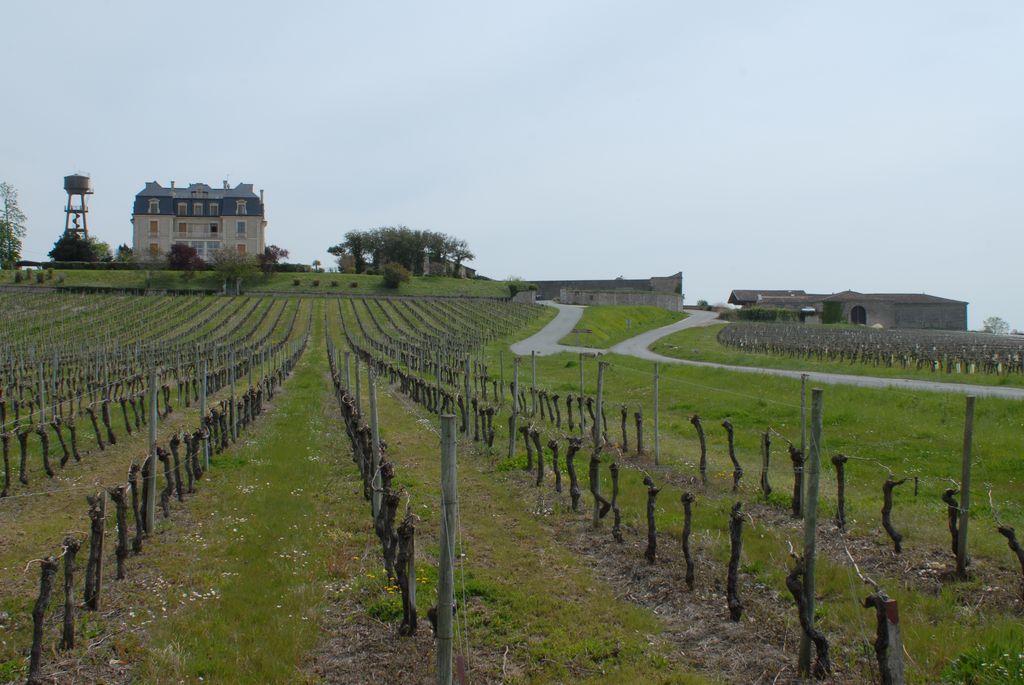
column 225, row 184
column 172, row 184
column 261, row 197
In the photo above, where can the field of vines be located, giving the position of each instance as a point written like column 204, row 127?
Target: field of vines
column 86, row 383
column 711, row 538
column 603, row 531
column 948, row 352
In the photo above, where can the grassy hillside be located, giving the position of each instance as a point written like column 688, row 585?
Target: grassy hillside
column 611, row 324
column 701, row 344
column 289, row 283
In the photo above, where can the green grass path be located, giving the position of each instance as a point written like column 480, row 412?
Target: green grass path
column 285, row 534
column 260, row 568
column 608, row 324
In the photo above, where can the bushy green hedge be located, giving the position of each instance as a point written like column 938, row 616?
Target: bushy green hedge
column 94, row 266
column 832, row 312
column 395, row 274
column 760, row 314
column 518, row 286
column 285, row 268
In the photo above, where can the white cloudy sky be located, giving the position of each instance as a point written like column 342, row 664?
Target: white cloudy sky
column 875, row 146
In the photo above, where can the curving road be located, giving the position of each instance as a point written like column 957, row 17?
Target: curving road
column 546, row 340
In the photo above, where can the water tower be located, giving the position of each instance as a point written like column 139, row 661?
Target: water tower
column 79, row 186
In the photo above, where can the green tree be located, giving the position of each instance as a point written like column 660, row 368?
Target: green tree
column 124, row 253
column 271, row 256
column 460, row 252
column 395, row 275
column 408, row 247
column 996, row 325
column 71, row 247
column 12, row 225
column 233, row 267
column 101, row 250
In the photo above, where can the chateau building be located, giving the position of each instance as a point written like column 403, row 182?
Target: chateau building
column 200, row 216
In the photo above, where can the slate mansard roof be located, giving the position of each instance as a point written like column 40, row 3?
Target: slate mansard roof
column 197, row 192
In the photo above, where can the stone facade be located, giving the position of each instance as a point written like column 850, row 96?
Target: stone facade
column 670, row 301
column 200, row 216
column 549, row 290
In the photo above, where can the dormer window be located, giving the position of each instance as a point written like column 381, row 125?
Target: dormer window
column 154, row 206
column 240, row 207
column 213, row 209
column 197, row 209
column 182, row 209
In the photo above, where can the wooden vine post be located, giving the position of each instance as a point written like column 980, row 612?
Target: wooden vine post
column 962, row 558
column 348, row 370
column 446, row 568
column 533, row 384
column 233, row 428
column 888, row 642
column 583, row 420
column 202, row 414
column 359, row 405
column 437, row 379
column 657, row 437
column 514, row 418
column 466, row 397
column 375, row 484
column 803, row 434
column 149, row 483
column 813, row 469
column 596, row 434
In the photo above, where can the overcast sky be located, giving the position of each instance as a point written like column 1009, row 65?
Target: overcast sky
column 873, row 146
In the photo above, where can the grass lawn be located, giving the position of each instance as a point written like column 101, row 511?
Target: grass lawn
column 701, row 344
column 281, row 282
column 611, row 324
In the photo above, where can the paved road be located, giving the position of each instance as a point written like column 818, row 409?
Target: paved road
column 546, row 340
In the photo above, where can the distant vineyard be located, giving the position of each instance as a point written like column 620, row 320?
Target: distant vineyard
column 940, row 351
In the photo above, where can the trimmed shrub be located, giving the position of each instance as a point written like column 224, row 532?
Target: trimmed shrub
column 516, row 286
column 832, row 312
column 395, row 275
column 759, row 314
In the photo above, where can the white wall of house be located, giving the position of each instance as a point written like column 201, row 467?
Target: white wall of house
column 154, row 234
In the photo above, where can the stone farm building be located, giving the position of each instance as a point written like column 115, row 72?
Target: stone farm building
column 889, row 310
column 657, row 291
column 200, row 216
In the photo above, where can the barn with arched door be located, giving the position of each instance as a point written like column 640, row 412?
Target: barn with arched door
column 901, row 310
column 889, row 310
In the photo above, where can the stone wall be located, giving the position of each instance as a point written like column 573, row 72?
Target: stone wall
column 549, row 290
column 670, row 301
